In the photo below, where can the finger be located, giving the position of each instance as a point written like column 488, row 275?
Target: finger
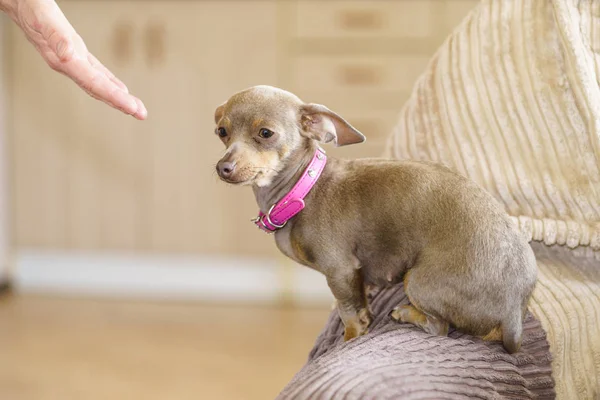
column 98, row 65
column 97, row 84
column 102, row 88
column 141, row 113
column 106, row 90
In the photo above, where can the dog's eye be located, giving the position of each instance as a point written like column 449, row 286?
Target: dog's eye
column 265, row 133
column 221, row 132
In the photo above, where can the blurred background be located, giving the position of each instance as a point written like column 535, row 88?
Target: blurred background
column 132, row 271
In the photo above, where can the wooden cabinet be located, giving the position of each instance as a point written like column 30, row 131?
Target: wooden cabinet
column 208, row 53
column 366, row 19
column 361, row 58
column 85, row 177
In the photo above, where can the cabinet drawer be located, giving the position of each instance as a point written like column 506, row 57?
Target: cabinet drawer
column 357, row 73
column 339, row 19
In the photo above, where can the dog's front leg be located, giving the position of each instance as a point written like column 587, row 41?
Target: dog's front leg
column 347, row 288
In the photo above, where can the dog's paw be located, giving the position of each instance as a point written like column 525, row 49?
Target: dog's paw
column 359, row 325
column 411, row 315
column 401, row 313
column 365, row 318
column 371, row 291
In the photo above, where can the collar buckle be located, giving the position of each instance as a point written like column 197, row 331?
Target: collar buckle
column 260, row 220
column 268, row 216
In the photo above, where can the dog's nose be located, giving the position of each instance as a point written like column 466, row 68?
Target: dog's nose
column 225, row 168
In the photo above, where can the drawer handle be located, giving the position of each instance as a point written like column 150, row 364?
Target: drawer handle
column 122, row 43
column 358, row 75
column 155, row 44
column 360, row 20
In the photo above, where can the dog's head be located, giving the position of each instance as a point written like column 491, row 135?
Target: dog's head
column 261, row 127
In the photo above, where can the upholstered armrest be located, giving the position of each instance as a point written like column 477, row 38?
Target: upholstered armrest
column 400, row 361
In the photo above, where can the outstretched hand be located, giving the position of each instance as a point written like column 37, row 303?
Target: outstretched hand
column 47, row 28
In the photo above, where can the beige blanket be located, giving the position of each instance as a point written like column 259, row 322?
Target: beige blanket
column 512, row 100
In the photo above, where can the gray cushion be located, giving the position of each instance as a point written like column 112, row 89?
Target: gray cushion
column 401, row 361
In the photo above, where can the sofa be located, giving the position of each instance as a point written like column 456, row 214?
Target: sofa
column 511, row 99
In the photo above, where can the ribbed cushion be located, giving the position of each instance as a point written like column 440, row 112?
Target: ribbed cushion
column 401, row 361
column 567, row 303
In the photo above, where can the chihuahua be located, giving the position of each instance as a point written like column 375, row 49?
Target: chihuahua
column 377, row 222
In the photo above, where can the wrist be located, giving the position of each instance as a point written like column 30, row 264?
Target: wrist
column 8, row 6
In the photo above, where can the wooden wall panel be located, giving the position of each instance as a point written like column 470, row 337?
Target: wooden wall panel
column 39, row 151
column 4, row 155
column 190, row 210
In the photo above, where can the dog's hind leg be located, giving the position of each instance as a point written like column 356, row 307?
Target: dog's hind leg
column 412, row 315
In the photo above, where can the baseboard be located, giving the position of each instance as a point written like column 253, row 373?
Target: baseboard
column 165, row 277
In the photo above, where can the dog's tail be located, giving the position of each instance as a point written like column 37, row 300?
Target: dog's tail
column 512, row 331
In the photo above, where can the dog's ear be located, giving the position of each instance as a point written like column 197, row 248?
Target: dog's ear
column 219, row 112
column 320, row 123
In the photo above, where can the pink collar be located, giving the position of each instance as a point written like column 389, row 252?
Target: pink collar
column 292, row 203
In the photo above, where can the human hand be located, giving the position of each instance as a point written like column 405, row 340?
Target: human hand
column 47, row 28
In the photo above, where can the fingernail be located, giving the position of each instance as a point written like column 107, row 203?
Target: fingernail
column 141, row 113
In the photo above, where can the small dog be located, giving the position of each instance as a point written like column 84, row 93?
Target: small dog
column 377, row 222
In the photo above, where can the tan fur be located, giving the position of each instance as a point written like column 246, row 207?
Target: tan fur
column 494, row 334
column 257, row 123
column 371, row 222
